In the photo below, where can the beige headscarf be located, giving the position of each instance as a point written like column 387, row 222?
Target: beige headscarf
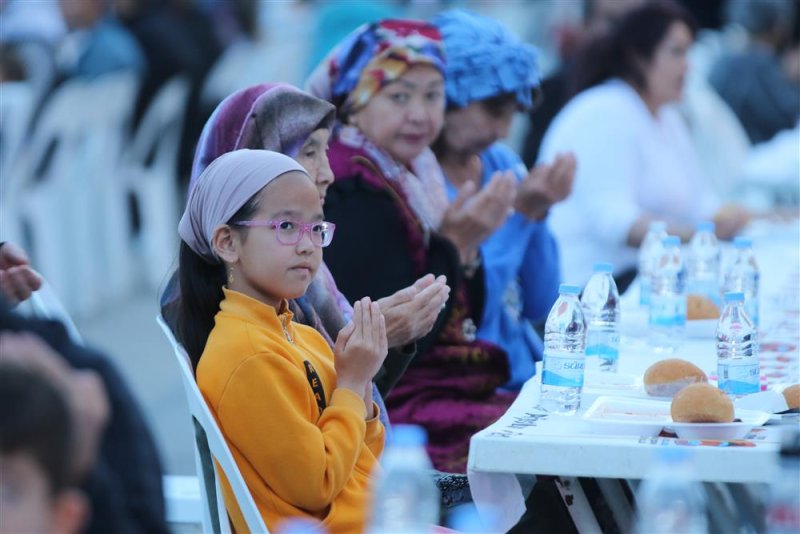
column 223, row 188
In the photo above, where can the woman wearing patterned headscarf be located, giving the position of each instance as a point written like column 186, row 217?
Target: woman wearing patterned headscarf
column 281, row 118
column 390, row 204
column 491, row 75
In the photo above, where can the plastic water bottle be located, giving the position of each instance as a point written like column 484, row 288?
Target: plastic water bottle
column 668, row 297
column 649, row 252
column 406, row 497
column 703, row 264
column 783, row 504
column 737, row 349
column 742, row 275
column 670, row 499
column 600, row 302
column 564, row 359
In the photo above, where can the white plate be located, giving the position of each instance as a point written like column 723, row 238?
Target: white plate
column 645, row 417
column 701, row 328
column 738, row 430
column 627, row 416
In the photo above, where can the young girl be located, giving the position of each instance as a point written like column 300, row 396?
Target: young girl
column 301, row 424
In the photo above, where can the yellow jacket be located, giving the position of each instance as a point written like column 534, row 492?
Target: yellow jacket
column 295, row 461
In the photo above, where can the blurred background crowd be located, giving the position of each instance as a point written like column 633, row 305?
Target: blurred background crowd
column 102, row 103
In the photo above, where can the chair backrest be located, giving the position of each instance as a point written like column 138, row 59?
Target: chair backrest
column 156, row 140
column 217, row 445
column 16, row 109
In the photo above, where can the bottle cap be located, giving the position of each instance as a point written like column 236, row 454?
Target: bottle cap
column 408, row 436
column 658, row 226
column 567, row 289
column 466, row 519
column 742, row 242
column 673, row 455
column 671, row 241
column 734, row 296
column 706, row 226
column 602, row 267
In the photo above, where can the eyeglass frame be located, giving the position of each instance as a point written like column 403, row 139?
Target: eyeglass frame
column 304, row 228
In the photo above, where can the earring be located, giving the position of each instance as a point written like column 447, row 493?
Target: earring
column 230, row 277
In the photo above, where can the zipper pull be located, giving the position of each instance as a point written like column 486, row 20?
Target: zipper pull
column 285, row 327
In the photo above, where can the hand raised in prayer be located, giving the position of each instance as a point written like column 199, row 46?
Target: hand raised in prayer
column 17, row 279
column 730, row 219
column 544, row 186
column 474, row 215
column 411, row 312
column 360, row 347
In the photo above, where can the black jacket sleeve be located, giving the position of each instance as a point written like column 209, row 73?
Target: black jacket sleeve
column 369, row 255
column 125, row 484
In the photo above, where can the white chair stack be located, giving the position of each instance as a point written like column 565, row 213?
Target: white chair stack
column 65, row 185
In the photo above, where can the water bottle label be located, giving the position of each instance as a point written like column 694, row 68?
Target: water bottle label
column 644, row 291
column 667, row 311
column 602, row 344
column 739, row 377
column 563, row 369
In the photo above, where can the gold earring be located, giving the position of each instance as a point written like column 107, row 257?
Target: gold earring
column 230, row 277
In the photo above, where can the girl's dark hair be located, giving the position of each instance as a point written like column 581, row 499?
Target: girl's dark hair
column 201, row 291
column 633, row 39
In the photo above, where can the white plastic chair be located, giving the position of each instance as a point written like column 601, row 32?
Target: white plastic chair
column 40, row 186
column 16, row 107
column 202, row 416
column 102, row 226
column 150, row 175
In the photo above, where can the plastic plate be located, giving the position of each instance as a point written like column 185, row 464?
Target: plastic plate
column 627, row 416
column 738, row 430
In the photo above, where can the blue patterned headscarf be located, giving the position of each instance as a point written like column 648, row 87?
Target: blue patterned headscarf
column 484, row 60
column 371, row 57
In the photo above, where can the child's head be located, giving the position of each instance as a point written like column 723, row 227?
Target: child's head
column 253, row 222
column 36, row 453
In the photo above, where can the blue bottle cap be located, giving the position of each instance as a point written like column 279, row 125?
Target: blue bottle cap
column 408, row 436
column 567, row 289
column 734, row 296
column 671, row 241
column 658, row 226
column 602, row 267
column 706, row 226
column 742, row 242
column 673, row 455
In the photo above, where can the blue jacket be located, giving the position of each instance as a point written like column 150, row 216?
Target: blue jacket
column 521, row 266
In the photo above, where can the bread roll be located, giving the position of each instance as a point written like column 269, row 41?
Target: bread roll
column 701, row 403
column 667, row 377
column 792, row 396
column 699, row 307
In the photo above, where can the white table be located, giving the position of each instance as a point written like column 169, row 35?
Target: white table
column 528, row 441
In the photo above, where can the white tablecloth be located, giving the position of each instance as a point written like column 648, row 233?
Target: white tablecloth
column 528, row 441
